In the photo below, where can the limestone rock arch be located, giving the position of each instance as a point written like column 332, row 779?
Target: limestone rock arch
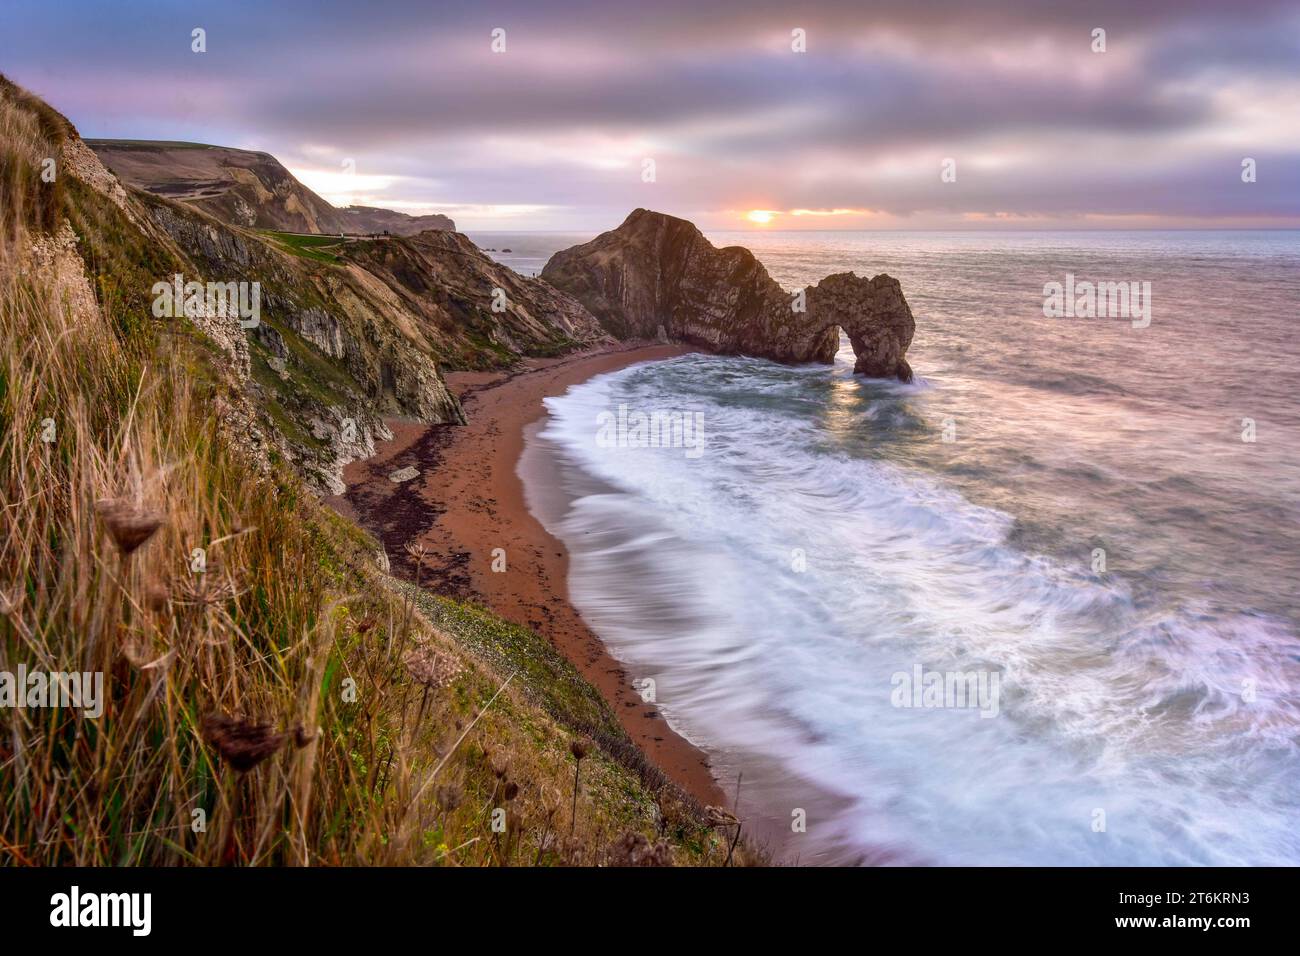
column 875, row 316
column 657, row 271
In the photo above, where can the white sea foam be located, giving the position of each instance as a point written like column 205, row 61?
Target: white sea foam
column 1162, row 690
column 686, row 568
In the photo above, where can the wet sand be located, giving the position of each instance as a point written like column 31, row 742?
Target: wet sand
column 468, row 499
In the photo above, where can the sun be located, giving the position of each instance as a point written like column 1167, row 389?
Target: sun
column 760, row 216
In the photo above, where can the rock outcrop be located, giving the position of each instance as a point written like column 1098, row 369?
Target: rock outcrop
column 659, row 272
column 486, row 313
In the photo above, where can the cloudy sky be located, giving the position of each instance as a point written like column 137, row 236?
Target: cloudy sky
column 556, row 131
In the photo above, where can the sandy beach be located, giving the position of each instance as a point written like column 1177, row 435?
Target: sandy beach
column 468, row 500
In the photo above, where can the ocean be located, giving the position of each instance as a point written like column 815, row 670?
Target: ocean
column 1041, row 606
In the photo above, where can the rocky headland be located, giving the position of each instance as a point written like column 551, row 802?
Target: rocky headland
column 657, row 273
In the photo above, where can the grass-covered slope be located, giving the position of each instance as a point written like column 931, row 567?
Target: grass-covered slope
column 270, row 696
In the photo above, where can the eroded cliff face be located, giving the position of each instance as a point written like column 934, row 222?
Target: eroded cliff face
column 328, row 360
column 657, row 271
column 360, row 336
column 348, row 334
column 477, row 312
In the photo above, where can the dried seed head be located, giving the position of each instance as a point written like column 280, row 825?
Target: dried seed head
column 720, row 817
column 633, row 849
column 510, row 791
column 242, row 743
column 499, row 769
column 156, row 597
column 207, row 590
column 449, row 796
column 432, row 668
column 127, row 525
column 579, row 747
column 416, row 550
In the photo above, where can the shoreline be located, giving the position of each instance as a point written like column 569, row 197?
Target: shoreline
column 469, row 499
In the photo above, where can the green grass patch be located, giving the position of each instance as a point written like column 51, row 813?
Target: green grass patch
column 554, row 682
column 308, row 247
